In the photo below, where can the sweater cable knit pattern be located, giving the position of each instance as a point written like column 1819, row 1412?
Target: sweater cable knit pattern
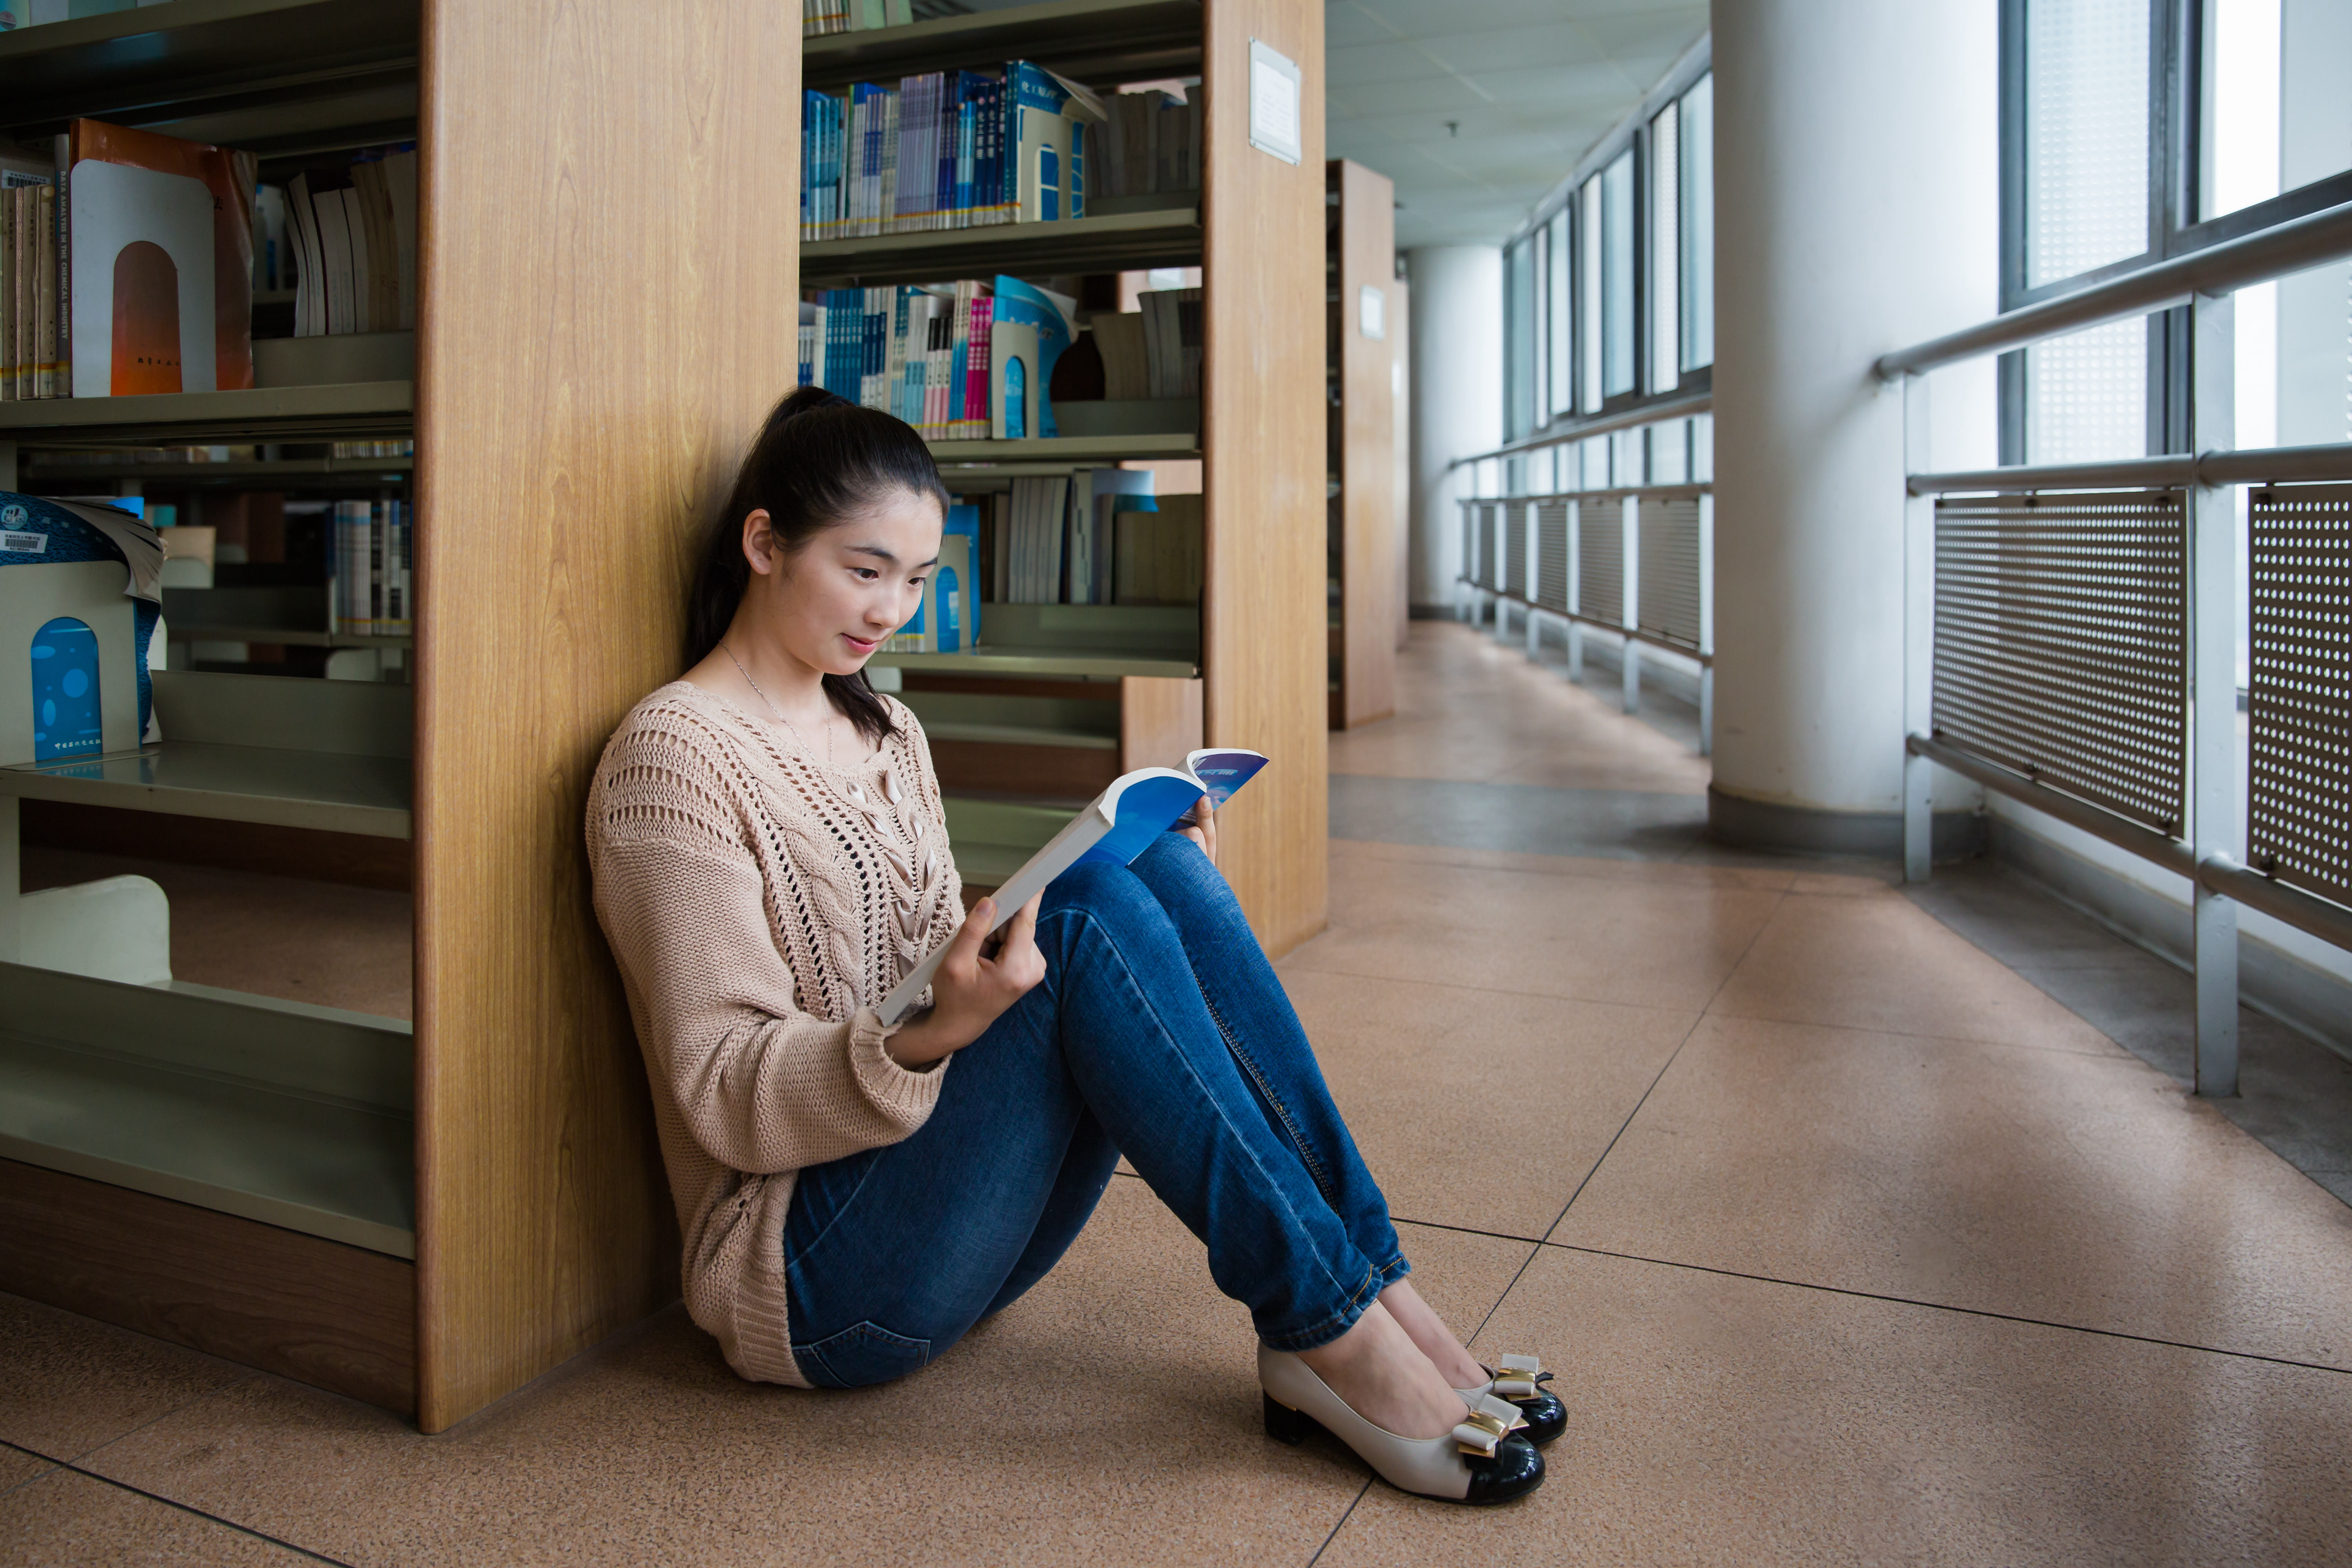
column 759, row 904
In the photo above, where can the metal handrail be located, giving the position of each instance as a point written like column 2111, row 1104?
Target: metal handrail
column 1631, row 633
column 2260, row 465
column 1656, row 413
column 2274, row 252
column 1691, row 491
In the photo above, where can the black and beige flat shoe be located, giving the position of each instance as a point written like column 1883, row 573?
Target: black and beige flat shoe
column 1519, row 1380
column 1480, row 1461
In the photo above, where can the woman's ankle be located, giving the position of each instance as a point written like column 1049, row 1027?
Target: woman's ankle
column 1431, row 1336
column 1383, row 1377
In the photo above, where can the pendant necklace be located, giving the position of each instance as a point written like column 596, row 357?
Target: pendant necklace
column 779, row 713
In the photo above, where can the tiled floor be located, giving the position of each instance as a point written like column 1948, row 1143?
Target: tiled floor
column 1851, row 1243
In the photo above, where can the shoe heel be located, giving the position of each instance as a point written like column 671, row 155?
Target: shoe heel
column 1284, row 1425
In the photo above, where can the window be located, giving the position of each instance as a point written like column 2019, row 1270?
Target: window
column 2086, row 135
column 1618, row 311
column 1665, row 295
column 1518, row 380
column 1589, row 401
column 1697, row 141
column 1563, row 346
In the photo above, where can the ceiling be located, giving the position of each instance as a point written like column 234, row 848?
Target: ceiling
column 1477, row 108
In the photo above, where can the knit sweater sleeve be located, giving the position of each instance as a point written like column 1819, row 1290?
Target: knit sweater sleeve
column 763, row 1086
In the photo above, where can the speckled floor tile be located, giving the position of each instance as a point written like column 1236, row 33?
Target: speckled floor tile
column 1640, row 943
column 1429, row 1076
column 1876, row 961
column 17, row 1467
column 1109, row 1416
column 1671, row 873
column 1718, row 1420
column 2076, row 1189
column 68, row 1521
column 69, row 1382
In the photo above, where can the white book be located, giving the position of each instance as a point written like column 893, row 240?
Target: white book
column 1114, row 828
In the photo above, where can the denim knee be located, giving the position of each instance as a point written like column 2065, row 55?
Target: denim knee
column 1108, row 893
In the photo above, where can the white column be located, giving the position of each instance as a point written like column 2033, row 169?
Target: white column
column 1856, row 207
column 1457, row 399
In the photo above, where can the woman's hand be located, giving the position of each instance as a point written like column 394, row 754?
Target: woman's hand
column 1199, row 826
column 980, row 977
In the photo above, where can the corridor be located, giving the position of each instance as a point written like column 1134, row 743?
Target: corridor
column 1848, row 1244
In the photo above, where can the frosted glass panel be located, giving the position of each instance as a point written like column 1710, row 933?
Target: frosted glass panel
column 1697, row 142
column 1665, row 255
column 2278, row 112
column 1590, row 377
column 1563, row 337
column 2086, row 135
column 2086, row 395
column 1617, row 345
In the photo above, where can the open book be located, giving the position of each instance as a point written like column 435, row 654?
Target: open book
column 1119, row 824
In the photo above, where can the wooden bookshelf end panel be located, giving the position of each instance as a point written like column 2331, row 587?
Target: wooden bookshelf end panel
column 337, row 1317
column 1366, row 656
column 586, row 400
column 1158, row 722
column 1263, row 433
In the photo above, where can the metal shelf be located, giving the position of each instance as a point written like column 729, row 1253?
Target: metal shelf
column 348, row 411
column 1041, row 663
column 293, row 1115
column 306, row 472
column 328, row 791
column 1073, row 449
column 282, row 637
column 1100, row 42
column 1156, row 237
column 157, row 63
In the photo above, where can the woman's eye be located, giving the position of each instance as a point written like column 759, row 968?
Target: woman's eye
column 865, row 573
column 916, row 582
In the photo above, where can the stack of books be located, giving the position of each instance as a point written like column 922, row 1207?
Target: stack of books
column 1149, row 144
column 1098, row 536
column 964, row 361
column 945, row 151
column 370, row 591
column 29, row 279
column 819, row 16
column 350, row 233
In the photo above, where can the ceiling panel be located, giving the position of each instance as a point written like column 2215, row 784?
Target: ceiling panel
column 1477, row 108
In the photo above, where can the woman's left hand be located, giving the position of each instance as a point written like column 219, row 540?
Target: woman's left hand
column 1199, row 826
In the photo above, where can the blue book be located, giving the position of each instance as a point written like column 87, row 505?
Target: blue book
column 1119, row 824
column 1025, row 305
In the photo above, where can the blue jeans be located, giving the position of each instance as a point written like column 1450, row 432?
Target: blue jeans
column 1159, row 1031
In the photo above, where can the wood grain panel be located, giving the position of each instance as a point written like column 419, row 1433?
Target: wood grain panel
column 608, row 308
column 1263, row 439
column 1367, row 456
column 1159, row 721
column 316, row 1311
column 1076, row 774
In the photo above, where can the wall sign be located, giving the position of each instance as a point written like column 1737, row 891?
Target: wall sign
column 1274, row 103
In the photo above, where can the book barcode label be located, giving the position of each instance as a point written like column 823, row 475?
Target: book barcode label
column 25, row 543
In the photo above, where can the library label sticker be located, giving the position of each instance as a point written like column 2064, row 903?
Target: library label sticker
column 1274, row 103
column 25, row 543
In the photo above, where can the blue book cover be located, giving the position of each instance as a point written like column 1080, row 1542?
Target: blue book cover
column 75, row 652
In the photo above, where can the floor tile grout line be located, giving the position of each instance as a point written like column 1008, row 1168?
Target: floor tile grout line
column 1952, row 1307
column 71, row 1466
column 1659, row 1076
column 1497, row 991
column 1349, row 1512
column 96, row 1448
column 2127, row 1053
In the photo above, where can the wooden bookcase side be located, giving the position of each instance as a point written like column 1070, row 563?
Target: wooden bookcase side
column 582, row 401
column 1367, row 244
column 1263, row 656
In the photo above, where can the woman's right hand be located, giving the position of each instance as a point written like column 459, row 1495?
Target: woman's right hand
column 973, row 984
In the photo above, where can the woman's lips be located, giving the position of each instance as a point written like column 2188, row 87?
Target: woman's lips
column 860, row 644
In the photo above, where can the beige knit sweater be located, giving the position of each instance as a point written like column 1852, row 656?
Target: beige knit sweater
column 759, row 904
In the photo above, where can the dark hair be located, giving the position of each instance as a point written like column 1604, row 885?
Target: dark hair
column 819, row 461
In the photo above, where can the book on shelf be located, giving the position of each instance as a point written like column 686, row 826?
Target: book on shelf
column 822, row 16
column 350, row 236
column 155, row 247
column 945, row 150
column 1112, row 830
column 930, row 354
column 947, row 618
column 1098, row 536
column 370, row 587
column 1149, row 144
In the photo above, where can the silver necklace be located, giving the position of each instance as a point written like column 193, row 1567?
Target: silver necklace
column 779, row 713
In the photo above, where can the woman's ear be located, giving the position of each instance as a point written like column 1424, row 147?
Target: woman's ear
column 759, row 542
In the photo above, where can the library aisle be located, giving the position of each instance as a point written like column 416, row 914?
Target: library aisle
column 1848, row 1242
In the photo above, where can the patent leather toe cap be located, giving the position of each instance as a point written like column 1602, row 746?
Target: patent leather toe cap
column 1546, row 1418
column 1516, row 1470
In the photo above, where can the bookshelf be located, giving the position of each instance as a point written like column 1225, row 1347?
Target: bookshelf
column 487, row 1198
column 1361, row 542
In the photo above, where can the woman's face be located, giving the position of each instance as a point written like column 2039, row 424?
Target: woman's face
column 849, row 587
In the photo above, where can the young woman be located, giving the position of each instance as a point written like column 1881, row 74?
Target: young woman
column 769, row 857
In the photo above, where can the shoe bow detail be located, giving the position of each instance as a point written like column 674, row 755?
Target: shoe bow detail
column 1483, row 1428
column 1519, row 1376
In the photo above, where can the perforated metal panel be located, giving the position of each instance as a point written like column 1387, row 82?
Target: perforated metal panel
column 1601, row 563
column 1515, row 549
column 1669, row 607
column 1551, row 554
column 2061, row 644
column 1490, row 564
column 2299, row 703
